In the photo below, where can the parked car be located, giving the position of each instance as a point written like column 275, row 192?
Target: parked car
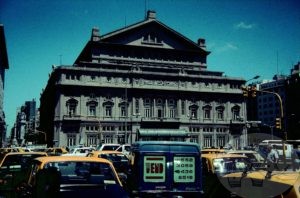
column 79, row 151
column 119, row 160
column 14, row 167
column 73, row 176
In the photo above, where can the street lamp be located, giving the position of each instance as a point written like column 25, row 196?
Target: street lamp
column 254, row 78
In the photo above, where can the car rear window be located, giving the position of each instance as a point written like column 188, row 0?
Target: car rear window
column 84, row 172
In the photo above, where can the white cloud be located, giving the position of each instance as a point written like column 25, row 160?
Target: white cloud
column 243, row 25
column 226, row 47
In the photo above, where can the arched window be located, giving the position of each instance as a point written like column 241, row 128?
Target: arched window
column 71, row 105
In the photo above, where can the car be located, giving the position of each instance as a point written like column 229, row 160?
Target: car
column 212, row 150
column 108, row 147
column 214, row 166
column 165, row 169
column 257, row 183
column 124, row 148
column 56, row 151
column 119, row 160
column 79, row 151
column 73, row 176
column 254, row 157
column 14, row 167
column 11, row 149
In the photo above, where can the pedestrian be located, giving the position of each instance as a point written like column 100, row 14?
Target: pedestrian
column 272, row 160
column 295, row 157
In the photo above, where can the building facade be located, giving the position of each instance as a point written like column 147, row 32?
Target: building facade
column 268, row 104
column 3, row 66
column 26, row 123
column 292, row 85
column 143, row 76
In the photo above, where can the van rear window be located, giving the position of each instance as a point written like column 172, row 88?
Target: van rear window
column 154, row 168
column 184, row 169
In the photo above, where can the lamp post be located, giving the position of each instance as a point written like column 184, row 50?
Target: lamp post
column 254, row 78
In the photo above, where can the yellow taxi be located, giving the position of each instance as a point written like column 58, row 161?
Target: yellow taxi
column 11, row 149
column 283, row 184
column 212, row 150
column 14, row 167
column 214, row 166
column 56, row 151
column 72, row 176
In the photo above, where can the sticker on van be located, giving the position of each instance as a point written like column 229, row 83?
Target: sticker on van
column 154, row 168
column 184, row 169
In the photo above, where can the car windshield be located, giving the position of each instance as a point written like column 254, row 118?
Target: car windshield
column 84, row 172
column 229, row 165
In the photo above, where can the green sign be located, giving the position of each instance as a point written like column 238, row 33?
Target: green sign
column 154, row 168
column 184, row 169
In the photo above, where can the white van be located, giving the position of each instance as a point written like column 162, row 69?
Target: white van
column 278, row 146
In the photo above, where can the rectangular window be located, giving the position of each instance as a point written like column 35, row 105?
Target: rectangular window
column 184, row 169
column 193, row 113
column 220, row 115
column 207, row 114
column 147, row 113
column 92, row 110
column 72, row 109
column 137, row 106
column 172, row 113
column 71, row 139
column 182, row 107
column 123, row 111
column 108, row 111
column 154, row 169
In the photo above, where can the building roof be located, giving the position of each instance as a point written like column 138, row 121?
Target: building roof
column 3, row 50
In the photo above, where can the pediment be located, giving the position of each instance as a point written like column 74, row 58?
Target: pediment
column 150, row 33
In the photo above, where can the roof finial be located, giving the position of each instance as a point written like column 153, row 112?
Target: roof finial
column 95, row 34
column 151, row 14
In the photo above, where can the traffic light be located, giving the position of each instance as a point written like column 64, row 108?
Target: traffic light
column 278, row 123
column 245, row 91
column 253, row 91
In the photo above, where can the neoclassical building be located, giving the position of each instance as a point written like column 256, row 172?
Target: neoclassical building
column 143, row 76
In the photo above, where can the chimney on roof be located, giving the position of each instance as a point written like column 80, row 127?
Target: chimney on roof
column 201, row 43
column 151, row 14
column 95, row 34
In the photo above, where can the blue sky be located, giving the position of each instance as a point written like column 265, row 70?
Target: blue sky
column 245, row 37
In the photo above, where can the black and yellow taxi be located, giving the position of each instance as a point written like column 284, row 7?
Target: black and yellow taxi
column 258, row 184
column 14, row 169
column 73, row 176
column 215, row 166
